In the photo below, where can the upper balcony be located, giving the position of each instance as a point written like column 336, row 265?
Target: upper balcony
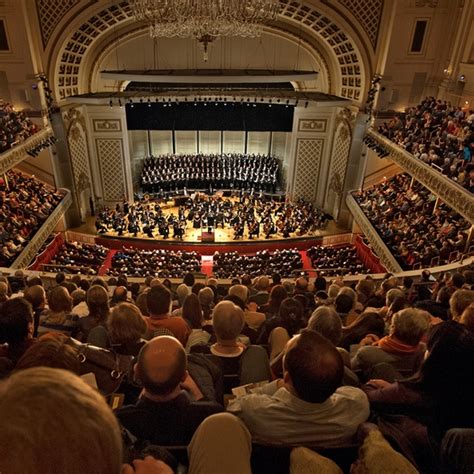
column 18, row 153
column 450, row 192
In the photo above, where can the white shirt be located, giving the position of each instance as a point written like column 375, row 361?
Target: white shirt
column 274, row 416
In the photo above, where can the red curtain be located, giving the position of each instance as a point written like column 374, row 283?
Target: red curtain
column 48, row 253
column 368, row 258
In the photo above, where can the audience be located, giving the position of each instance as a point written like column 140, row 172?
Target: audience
column 331, row 261
column 78, row 257
column 412, row 228
column 25, row 203
column 315, row 403
column 440, row 135
column 15, row 127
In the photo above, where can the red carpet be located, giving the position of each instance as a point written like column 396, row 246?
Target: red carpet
column 107, row 262
column 207, row 264
column 306, row 262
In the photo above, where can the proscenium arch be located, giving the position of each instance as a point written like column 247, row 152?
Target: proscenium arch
column 68, row 59
column 107, row 48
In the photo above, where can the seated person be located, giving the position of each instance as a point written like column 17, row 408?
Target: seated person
column 246, row 364
column 165, row 414
column 308, row 407
column 158, row 300
column 401, row 348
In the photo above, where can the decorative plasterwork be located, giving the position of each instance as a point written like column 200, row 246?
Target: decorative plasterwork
column 368, row 13
column 378, row 245
column 30, row 251
column 348, row 57
column 12, row 157
column 454, row 195
column 308, row 162
column 110, row 156
column 50, row 14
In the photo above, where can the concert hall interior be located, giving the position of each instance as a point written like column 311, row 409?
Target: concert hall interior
column 259, row 191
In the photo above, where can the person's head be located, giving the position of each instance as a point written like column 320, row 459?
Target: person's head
column 192, row 311
column 369, row 322
column 206, row 296
column 459, row 301
column 228, row 321
column 467, row 317
column 326, row 322
column 60, row 278
column 277, row 295
column 276, row 278
column 301, row 284
column 101, row 282
column 449, row 358
column 3, row 291
column 51, row 350
column 120, row 295
column 292, row 312
column 181, row 292
column 142, row 304
column 444, row 295
column 78, row 296
column 241, row 291
column 333, row 290
column 59, row 300
column 125, row 324
column 410, row 325
column 262, row 283
column 188, row 279
column 457, row 280
column 16, row 321
column 343, row 303
column 53, row 421
column 98, row 302
column 36, row 296
column 345, row 290
column 197, row 287
column 161, row 366
column 392, row 294
column 247, row 280
column 313, row 367
column 158, row 300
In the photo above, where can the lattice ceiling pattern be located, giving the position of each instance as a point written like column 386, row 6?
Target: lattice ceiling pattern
column 340, row 43
column 347, row 56
column 50, row 13
column 368, row 13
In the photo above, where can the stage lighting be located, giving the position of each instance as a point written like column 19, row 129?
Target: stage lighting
column 111, row 103
column 120, row 103
column 306, row 105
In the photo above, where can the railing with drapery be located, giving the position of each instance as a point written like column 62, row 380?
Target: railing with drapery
column 376, row 242
column 48, row 253
column 30, row 251
column 18, row 153
column 368, row 257
column 450, row 192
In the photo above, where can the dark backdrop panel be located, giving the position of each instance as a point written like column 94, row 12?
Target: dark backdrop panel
column 233, row 116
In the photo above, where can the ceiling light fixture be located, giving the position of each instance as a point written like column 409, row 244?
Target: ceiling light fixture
column 205, row 20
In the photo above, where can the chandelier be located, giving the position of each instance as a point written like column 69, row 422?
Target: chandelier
column 205, row 20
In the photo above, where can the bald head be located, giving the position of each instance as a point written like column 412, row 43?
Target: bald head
column 161, row 365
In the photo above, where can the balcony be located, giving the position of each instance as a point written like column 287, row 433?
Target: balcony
column 450, row 192
column 372, row 236
column 18, row 153
column 37, row 241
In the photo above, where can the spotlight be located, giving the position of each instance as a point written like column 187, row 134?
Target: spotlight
column 120, row 103
column 111, row 103
column 149, row 102
column 141, row 100
column 130, row 102
column 306, row 105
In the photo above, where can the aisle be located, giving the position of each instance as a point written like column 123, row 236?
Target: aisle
column 107, row 263
column 207, row 263
column 307, row 265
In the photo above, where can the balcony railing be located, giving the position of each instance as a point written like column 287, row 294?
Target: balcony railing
column 450, row 192
column 378, row 245
column 18, row 153
column 30, row 251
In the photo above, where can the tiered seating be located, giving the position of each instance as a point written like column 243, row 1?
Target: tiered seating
column 136, row 262
column 78, row 257
column 25, row 203
column 409, row 224
column 336, row 260
column 437, row 133
column 233, row 264
column 15, row 127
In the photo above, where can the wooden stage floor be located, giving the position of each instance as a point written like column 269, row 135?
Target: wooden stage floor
column 224, row 236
